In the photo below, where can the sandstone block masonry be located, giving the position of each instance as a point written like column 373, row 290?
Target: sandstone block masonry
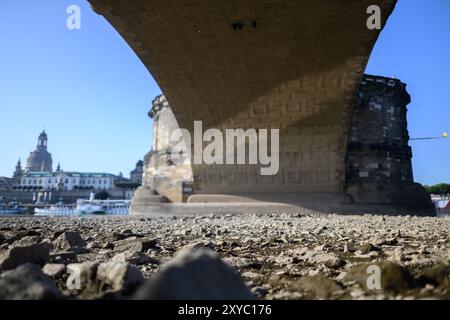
column 291, row 65
column 378, row 163
column 161, row 174
column 294, row 65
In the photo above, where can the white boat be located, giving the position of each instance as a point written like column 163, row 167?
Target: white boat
column 89, row 207
column 117, row 206
column 442, row 204
column 55, row 210
column 103, row 206
column 83, row 206
column 93, row 206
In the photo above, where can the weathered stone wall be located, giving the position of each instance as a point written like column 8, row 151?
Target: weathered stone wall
column 379, row 166
column 378, row 150
column 378, row 160
column 161, row 173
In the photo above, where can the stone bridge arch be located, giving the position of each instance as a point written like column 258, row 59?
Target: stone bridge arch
column 287, row 64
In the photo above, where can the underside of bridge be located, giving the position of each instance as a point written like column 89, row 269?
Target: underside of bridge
column 293, row 65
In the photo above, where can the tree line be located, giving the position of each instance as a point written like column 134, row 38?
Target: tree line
column 441, row 188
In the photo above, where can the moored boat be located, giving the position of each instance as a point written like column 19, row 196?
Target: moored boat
column 56, row 209
column 103, row 206
column 442, row 204
column 11, row 208
column 90, row 207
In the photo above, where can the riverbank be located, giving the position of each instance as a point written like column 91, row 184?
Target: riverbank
column 288, row 256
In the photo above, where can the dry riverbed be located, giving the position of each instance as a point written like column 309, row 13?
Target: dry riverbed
column 288, row 256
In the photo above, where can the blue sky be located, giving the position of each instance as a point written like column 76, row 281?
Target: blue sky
column 87, row 87
column 91, row 92
column 415, row 48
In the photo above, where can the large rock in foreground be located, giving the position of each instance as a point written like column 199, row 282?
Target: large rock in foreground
column 119, row 276
column 25, row 252
column 69, row 240
column 393, row 277
column 27, row 282
column 95, row 280
column 319, row 287
column 195, row 274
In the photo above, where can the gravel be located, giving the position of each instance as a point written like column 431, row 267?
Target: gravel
column 279, row 256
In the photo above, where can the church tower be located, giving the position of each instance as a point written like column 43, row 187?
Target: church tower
column 18, row 172
column 42, row 141
column 40, row 159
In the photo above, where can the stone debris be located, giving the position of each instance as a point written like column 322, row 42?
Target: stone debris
column 24, row 252
column 27, row 282
column 438, row 275
column 264, row 256
column 119, row 276
column 134, row 257
column 197, row 274
column 393, row 277
column 69, row 241
column 54, row 270
column 318, row 287
column 141, row 245
column 64, row 257
column 82, row 277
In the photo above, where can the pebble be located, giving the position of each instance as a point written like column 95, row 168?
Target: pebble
column 271, row 251
column 54, row 270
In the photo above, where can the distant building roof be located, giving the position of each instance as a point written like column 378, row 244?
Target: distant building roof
column 70, row 174
column 31, row 174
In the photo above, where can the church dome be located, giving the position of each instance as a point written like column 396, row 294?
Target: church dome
column 40, row 159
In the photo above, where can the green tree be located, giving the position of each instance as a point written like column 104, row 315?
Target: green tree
column 441, row 188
